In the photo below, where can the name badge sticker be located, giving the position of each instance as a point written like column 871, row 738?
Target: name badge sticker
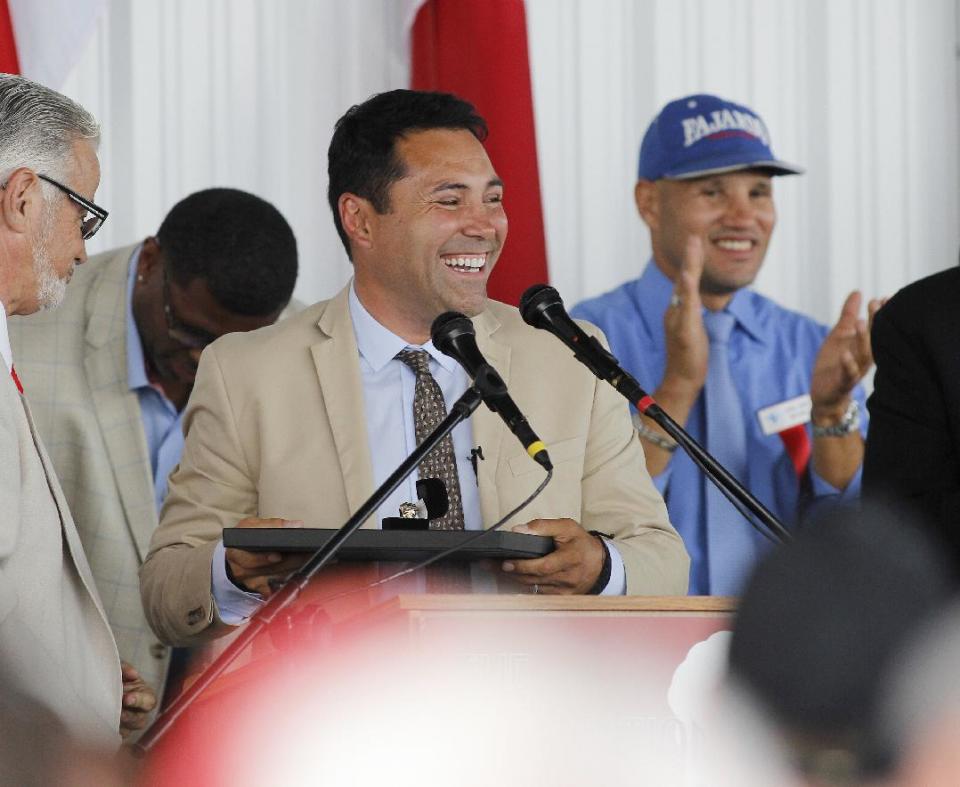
column 779, row 417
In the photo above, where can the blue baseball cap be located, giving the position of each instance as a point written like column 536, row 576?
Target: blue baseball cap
column 705, row 135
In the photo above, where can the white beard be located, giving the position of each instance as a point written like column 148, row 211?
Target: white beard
column 51, row 289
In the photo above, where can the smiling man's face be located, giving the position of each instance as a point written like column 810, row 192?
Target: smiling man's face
column 435, row 246
column 733, row 214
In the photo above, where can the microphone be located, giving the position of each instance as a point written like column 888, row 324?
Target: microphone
column 453, row 334
column 542, row 307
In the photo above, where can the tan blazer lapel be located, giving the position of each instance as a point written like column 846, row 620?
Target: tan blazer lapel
column 337, row 361
column 486, row 425
column 70, row 534
column 116, row 406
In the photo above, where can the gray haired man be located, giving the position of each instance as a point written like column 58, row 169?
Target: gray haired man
column 56, row 645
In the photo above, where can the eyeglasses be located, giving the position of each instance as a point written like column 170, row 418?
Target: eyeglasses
column 88, row 224
column 178, row 330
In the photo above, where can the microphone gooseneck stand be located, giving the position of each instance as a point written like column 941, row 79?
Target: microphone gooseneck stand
column 716, row 472
column 295, row 584
column 542, row 307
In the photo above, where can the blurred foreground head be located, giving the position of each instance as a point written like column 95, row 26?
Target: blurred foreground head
column 821, row 621
column 921, row 713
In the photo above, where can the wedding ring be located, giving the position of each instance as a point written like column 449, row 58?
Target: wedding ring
column 675, row 300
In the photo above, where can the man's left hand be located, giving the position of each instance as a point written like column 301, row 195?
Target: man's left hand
column 138, row 700
column 573, row 567
column 844, row 358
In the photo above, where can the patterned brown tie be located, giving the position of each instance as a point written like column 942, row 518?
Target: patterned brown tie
column 429, row 410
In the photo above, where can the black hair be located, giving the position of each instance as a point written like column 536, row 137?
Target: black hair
column 362, row 157
column 239, row 244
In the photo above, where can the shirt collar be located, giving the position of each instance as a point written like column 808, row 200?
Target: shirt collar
column 379, row 345
column 743, row 306
column 5, row 350
column 655, row 291
column 136, row 363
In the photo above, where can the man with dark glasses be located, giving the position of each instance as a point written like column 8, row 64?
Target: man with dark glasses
column 112, row 371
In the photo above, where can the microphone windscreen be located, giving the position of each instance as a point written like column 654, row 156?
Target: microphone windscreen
column 534, row 300
column 447, row 326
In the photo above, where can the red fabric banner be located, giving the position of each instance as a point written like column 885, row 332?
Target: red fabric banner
column 478, row 50
column 9, row 64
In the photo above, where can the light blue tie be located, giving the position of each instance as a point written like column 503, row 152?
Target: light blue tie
column 731, row 546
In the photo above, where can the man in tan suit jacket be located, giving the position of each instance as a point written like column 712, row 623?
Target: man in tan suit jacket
column 223, row 260
column 281, row 423
column 55, row 644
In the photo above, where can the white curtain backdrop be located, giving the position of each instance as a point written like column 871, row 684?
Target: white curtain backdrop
column 863, row 93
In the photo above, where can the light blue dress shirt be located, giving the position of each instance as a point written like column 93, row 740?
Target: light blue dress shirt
column 388, row 390
column 161, row 421
column 772, row 352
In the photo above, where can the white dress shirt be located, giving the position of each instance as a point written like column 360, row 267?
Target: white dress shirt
column 5, row 350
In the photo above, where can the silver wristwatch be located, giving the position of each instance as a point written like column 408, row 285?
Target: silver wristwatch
column 848, row 424
column 661, row 442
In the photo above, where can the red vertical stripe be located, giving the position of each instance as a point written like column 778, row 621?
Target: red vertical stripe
column 797, row 444
column 9, row 64
column 478, row 50
column 16, row 379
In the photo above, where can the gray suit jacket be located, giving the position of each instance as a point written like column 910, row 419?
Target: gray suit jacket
column 73, row 364
column 275, row 427
column 55, row 642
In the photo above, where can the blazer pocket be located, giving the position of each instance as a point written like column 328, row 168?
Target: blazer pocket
column 562, row 451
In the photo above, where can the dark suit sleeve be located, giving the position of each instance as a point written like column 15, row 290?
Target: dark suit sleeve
column 911, row 455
